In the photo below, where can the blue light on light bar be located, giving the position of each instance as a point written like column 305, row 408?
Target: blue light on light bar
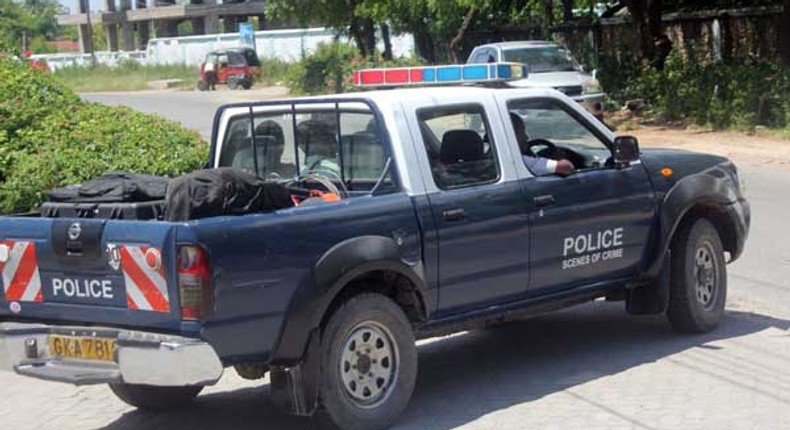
column 451, row 74
column 448, row 73
column 475, row 72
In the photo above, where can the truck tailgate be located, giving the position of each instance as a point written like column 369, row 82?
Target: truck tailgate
column 89, row 271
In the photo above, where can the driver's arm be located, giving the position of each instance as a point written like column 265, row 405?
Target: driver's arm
column 544, row 166
column 563, row 168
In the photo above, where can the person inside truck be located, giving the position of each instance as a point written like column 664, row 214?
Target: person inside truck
column 318, row 143
column 539, row 166
column 270, row 146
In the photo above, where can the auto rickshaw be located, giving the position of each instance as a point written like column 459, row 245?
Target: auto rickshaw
column 236, row 67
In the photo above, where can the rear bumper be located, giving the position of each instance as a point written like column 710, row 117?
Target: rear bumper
column 140, row 357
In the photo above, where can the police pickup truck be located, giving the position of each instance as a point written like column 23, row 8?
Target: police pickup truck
column 436, row 226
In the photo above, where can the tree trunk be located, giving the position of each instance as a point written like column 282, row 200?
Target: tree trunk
column 646, row 16
column 385, row 36
column 353, row 31
column 567, row 10
column 784, row 34
column 456, row 47
column 548, row 18
column 369, row 36
column 425, row 47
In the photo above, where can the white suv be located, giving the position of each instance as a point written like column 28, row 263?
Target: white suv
column 549, row 65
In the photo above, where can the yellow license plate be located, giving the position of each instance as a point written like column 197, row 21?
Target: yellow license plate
column 84, row 348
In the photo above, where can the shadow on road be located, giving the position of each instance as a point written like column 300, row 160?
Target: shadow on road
column 464, row 377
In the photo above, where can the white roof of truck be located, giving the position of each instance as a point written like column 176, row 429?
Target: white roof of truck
column 430, row 95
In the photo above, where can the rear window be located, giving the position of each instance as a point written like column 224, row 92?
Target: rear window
column 281, row 146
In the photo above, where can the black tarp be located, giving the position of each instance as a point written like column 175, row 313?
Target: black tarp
column 113, row 188
column 223, row 191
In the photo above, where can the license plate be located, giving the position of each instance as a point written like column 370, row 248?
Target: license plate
column 83, row 348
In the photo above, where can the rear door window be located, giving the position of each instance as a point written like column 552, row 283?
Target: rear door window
column 459, row 146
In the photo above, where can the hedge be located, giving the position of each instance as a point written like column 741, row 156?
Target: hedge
column 741, row 94
column 49, row 137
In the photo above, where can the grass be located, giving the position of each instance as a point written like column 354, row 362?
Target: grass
column 134, row 77
column 125, row 77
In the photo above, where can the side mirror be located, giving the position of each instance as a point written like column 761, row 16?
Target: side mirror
column 626, row 150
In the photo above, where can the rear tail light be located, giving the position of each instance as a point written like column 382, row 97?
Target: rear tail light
column 194, row 283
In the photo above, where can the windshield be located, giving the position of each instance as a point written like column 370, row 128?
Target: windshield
column 542, row 59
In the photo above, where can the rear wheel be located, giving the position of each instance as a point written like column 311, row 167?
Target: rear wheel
column 368, row 365
column 698, row 291
column 233, row 84
column 154, row 398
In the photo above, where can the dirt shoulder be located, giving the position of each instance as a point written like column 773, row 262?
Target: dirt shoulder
column 741, row 148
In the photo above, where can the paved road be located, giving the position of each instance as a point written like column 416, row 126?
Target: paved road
column 193, row 109
column 590, row 367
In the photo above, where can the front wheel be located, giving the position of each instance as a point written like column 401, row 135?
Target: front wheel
column 154, row 398
column 368, row 364
column 698, row 289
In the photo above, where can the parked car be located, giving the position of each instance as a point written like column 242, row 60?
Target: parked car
column 549, row 65
column 236, row 67
column 436, row 226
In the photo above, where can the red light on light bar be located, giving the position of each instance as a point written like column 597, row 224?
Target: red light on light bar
column 371, row 77
column 396, row 76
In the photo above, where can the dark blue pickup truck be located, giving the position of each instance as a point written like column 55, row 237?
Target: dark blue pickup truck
column 435, row 225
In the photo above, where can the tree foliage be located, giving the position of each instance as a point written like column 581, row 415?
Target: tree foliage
column 31, row 20
column 441, row 26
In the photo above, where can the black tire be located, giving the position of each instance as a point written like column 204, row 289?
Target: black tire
column 154, row 398
column 382, row 318
column 698, row 289
column 246, row 84
column 233, row 84
column 202, row 85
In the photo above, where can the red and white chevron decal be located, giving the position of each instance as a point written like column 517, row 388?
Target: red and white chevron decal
column 146, row 288
column 21, row 280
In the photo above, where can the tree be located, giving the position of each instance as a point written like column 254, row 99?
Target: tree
column 784, row 34
column 646, row 15
column 20, row 23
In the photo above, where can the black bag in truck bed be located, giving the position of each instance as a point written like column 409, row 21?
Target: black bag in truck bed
column 153, row 210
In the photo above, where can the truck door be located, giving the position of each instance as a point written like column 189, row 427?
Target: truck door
column 476, row 204
column 593, row 225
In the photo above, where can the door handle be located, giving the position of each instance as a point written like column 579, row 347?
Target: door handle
column 543, row 201
column 457, row 214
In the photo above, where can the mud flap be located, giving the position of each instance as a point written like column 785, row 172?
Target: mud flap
column 295, row 389
column 652, row 298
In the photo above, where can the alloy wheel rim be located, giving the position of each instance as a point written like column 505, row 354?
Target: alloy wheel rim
column 705, row 275
column 369, row 364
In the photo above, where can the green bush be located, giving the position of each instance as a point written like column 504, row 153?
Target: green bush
column 274, row 72
column 741, row 94
column 50, row 138
column 329, row 70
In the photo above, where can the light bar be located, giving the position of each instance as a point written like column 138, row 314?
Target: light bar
column 439, row 75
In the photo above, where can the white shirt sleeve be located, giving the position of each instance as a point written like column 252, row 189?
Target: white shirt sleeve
column 540, row 166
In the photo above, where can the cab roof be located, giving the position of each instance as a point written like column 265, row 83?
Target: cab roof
column 430, row 95
column 519, row 43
